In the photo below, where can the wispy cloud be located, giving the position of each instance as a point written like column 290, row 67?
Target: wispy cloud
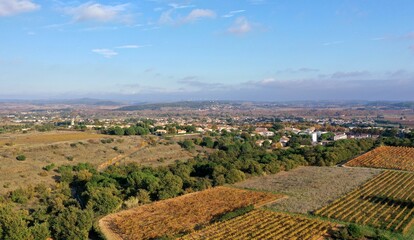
column 240, row 26
column 194, row 82
column 232, row 13
column 132, row 46
column 355, row 74
column 197, row 14
column 107, row 53
column 92, row 11
column 180, row 6
column 332, row 43
column 298, row 70
column 170, row 17
column 13, row 7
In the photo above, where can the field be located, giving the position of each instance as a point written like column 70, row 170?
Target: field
column 386, row 202
column 262, row 224
column 159, row 155
column 46, row 138
column 71, row 148
column 180, row 214
column 310, row 188
column 399, row 158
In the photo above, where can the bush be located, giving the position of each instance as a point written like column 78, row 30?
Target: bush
column 21, row 157
column 107, row 140
column 49, row 167
column 43, row 174
column 19, row 196
column 233, row 214
column 355, row 231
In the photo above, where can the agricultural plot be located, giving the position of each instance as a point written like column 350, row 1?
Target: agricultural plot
column 180, row 214
column 262, row 224
column 399, row 158
column 386, row 201
column 310, row 188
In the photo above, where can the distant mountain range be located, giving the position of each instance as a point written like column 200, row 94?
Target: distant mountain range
column 79, row 101
column 123, row 106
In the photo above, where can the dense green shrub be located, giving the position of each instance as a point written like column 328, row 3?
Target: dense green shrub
column 21, row 157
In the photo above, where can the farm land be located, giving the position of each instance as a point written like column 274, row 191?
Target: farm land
column 264, row 224
column 384, row 202
column 181, row 214
column 311, row 202
column 309, row 188
column 45, row 152
column 398, row 158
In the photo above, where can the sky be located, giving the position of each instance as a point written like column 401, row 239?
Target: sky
column 164, row 50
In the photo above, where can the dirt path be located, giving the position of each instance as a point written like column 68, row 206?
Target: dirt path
column 120, row 157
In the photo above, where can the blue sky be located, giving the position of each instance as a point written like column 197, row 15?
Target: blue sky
column 162, row 50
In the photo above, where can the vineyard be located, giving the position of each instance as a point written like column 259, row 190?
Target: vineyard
column 386, row 201
column 399, row 158
column 181, row 214
column 262, row 224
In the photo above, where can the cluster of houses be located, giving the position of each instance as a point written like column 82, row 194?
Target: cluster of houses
column 315, row 136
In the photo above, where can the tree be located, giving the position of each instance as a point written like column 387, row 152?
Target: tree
column 143, row 180
column 130, row 131
column 142, row 131
column 40, row 231
column 72, row 224
column 103, row 201
column 119, row 131
column 278, row 126
column 234, row 176
column 207, row 142
column 170, row 186
column 266, row 144
column 13, row 224
column 188, row 144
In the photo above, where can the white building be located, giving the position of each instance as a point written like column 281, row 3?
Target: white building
column 314, row 136
column 340, row 136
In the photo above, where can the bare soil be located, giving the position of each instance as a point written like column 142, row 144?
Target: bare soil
column 310, row 188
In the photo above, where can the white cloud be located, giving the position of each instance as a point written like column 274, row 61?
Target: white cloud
column 180, row 6
column 13, row 7
column 91, row 11
column 197, row 14
column 232, row 13
column 240, row 26
column 170, row 17
column 107, row 53
column 166, row 17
